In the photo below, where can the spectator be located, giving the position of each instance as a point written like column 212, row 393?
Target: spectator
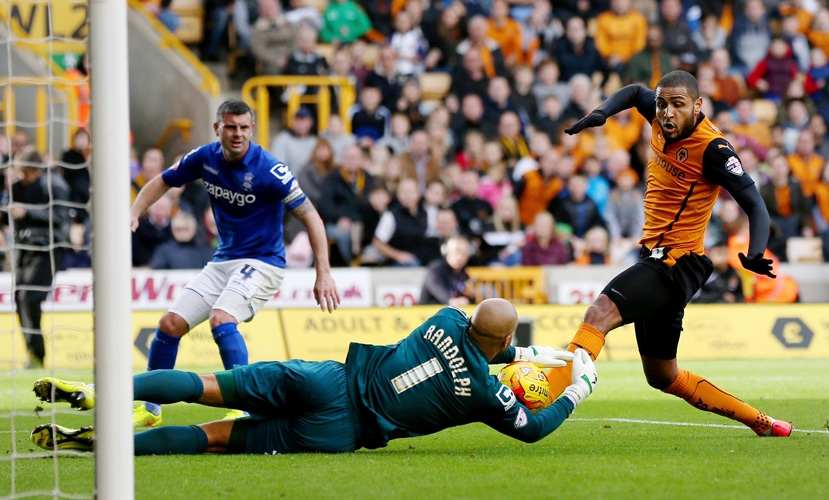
column 724, row 285
column 581, row 97
column 387, row 168
column 468, row 77
column 772, row 74
column 312, row 177
column 409, row 45
column 522, row 96
column 272, row 38
column 575, row 208
column 598, row 187
column 548, row 120
column 153, row 230
column 492, row 59
column 400, row 236
column 472, row 212
column 499, row 101
column 345, row 190
column 184, row 251
column 512, row 141
column 472, row 154
column 387, row 77
column 672, row 21
column 503, row 234
column 787, row 205
column 418, row 163
column 649, row 64
column 623, row 129
column 435, row 198
column 625, row 214
column 76, row 173
column 789, row 31
column 495, row 185
column 728, row 85
column 293, row 146
column 369, row 119
column 338, row 139
column 544, row 248
column 540, row 31
column 152, row 164
column 821, row 208
column 818, row 33
column 446, row 279
column 538, row 145
column 161, row 10
column 817, row 125
column 620, row 33
column 440, row 139
column 444, row 35
column 549, row 84
column 806, row 165
column 746, row 123
column 577, row 53
column 792, row 123
column 471, row 117
column 506, row 32
column 217, row 13
column 398, row 140
column 710, row 37
column 750, row 37
column 538, row 187
column 305, row 61
column 379, row 200
column 343, row 22
column 379, row 13
column 594, row 249
column 244, row 14
column 757, row 287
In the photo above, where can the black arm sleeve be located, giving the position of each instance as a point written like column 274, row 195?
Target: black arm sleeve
column 758, row 218
column 631, row 96
column 721, row 165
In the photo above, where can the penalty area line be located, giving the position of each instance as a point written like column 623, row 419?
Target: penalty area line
column 685, row 424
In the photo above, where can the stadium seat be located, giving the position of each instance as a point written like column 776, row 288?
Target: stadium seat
column 519, row 285
column 765, row 110
column 804, row 250
column 320, row 5
column 371, row 55
column 191, row 14
column 435, row 86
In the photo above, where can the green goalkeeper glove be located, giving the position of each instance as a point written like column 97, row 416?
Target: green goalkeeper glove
column 541, row 355
column 584, row 378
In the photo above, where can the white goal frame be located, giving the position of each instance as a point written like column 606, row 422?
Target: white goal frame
column 111, row 249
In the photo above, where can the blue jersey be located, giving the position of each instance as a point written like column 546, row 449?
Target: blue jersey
column 247, row 199
column 435, row 378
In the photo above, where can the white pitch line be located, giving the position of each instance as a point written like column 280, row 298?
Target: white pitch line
column 684, row 424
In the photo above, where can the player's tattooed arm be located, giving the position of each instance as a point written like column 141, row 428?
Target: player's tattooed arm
column 304, row 208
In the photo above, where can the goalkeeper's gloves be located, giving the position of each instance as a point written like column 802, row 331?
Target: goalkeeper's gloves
column 584, row 378
column 541, row 355
column 595, row 119
column 757, row 264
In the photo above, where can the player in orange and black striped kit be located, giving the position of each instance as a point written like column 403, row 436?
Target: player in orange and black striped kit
column 690, row 159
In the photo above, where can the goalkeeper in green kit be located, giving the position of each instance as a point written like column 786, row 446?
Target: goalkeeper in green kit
column 437, row 377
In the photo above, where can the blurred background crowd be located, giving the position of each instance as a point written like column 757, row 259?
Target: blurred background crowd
column 459, row 119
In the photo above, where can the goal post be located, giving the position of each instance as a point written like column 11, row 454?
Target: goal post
column 111, row 249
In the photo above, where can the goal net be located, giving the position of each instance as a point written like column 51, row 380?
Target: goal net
column 47, row 326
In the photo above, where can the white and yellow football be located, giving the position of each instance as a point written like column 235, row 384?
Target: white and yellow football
column 529, row 383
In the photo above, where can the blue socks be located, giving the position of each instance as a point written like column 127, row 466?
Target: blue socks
column 175, row 440
column 231, row 344
column 163, row 353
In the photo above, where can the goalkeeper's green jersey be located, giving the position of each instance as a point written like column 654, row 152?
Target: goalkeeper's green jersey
column 435, row 378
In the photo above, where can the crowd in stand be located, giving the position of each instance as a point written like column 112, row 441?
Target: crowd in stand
column 490, row 160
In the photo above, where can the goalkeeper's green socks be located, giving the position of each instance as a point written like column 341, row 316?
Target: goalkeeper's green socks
column 588, row 338
column 167, row 386
column 172, row 440
column 706, row 396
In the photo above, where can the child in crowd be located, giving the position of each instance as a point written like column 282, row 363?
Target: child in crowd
column 409, row 45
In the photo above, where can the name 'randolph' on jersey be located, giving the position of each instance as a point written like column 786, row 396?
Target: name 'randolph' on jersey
column 684, row 180
column 435, row 378
column 248, row 199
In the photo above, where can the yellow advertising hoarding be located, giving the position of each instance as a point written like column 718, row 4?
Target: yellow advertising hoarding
column 36, row 22
column 70, row 343
column 751, row 331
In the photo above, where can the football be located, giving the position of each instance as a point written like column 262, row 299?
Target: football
column 529, row 383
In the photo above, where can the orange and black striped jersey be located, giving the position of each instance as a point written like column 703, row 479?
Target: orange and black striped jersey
column 684, row 177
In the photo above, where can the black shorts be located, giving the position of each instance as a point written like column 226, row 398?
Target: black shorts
column 652, row 295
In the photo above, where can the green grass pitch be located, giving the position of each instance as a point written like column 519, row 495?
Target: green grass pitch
column 626, row 441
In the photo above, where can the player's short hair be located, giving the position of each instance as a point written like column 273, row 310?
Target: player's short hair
column 234, row 107
column 681, row 79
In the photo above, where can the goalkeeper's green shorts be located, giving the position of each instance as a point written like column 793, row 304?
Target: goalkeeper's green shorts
column 295, row 406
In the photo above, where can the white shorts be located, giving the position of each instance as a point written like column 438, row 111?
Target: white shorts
column 238, row 287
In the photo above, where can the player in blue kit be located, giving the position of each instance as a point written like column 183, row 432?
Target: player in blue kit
column 248, row 189
column 437, row 377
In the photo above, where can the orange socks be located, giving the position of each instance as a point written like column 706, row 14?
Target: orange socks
column 706, row 396
column 588, row 338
